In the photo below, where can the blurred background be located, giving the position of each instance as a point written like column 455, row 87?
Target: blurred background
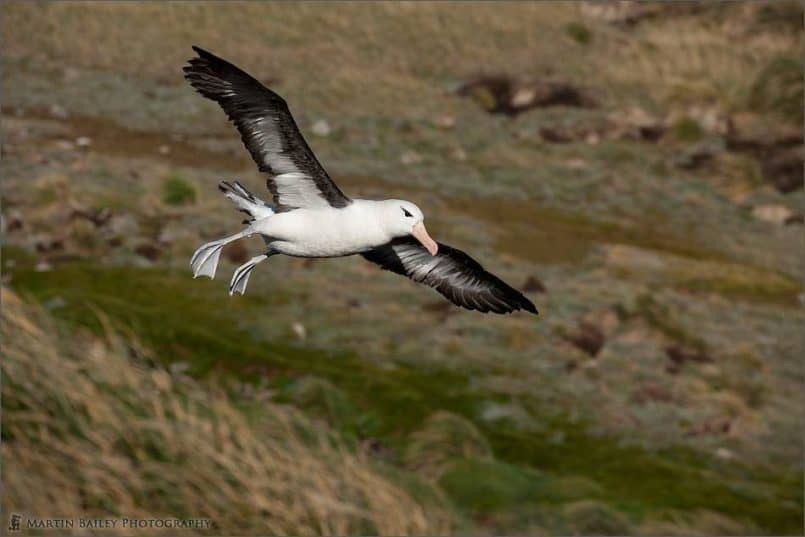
column 635, row 168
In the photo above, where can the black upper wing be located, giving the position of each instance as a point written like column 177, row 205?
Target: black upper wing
column 268, row 131
column 454, row 274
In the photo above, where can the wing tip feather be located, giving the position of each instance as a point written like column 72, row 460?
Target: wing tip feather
column 529, row 306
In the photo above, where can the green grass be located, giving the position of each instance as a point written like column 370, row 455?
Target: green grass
column 443, row 440
column 177, row 191
column 198, row 324
column 687, row 130
column 483, row 486
column 579, row 32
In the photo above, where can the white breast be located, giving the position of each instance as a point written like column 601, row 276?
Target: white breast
column 325, row 232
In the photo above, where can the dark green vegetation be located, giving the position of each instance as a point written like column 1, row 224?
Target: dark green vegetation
column 660, row 392
column 177, row 191
column 579, row 32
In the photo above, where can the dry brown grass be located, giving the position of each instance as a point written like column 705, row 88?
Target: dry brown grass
column 90, row 430
column 714, row 58
column 364, row 56
column 697, row 523
column 372, row 59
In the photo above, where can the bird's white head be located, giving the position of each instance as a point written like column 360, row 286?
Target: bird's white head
column 402, row 218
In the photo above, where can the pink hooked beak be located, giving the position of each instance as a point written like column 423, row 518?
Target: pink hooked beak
column 422, row 236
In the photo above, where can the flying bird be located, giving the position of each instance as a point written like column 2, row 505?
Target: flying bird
column 312, row 217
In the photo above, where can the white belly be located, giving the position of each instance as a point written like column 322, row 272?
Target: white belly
column 322, row 232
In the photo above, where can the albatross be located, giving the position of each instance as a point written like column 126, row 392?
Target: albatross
column 312, row 217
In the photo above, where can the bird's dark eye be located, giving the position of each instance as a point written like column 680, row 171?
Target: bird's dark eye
column 406, row 213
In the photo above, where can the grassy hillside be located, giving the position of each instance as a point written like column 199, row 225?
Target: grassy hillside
column 93, row 428
column 657, row 228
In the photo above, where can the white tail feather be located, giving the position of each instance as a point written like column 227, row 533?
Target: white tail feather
column 245, row 201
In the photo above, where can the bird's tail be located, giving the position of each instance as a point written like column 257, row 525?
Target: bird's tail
column 245, row 201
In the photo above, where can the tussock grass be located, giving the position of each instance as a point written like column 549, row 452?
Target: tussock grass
column 697, row 60
column 589, row 517
column 444, row 439
column 321, row 398
column 194, row 323
column 779, row 88
column 700, row 522
column 91, row 429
